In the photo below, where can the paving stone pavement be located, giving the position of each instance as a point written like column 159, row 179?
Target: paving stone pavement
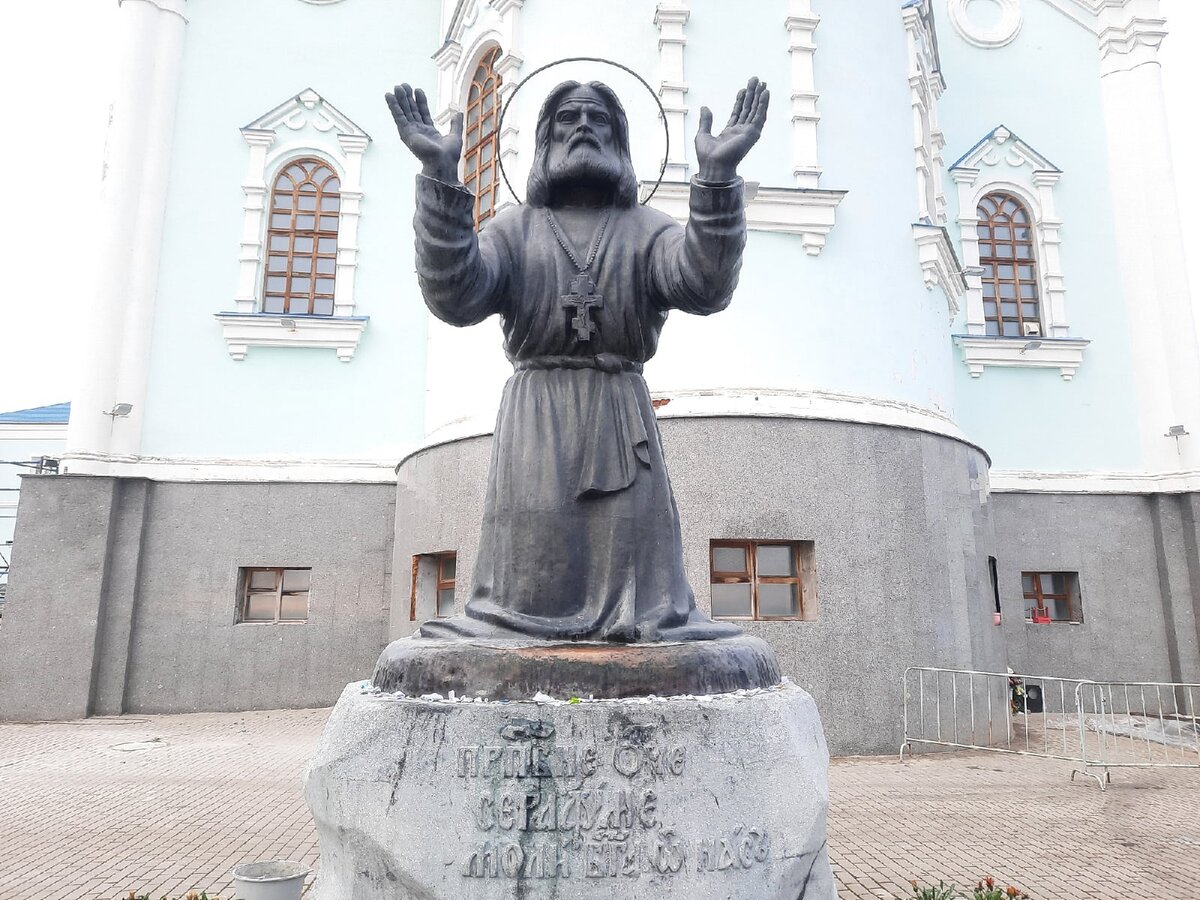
column 165, row 804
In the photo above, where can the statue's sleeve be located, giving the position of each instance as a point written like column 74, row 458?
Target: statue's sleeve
column 695, row 268
column 462, row 274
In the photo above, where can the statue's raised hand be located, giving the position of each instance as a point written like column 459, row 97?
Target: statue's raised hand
column 719, row 156
column 439, row 153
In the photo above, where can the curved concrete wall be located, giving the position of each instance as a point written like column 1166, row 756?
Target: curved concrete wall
column 900, row 520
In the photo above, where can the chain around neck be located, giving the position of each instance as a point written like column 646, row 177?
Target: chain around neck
column 566, row 245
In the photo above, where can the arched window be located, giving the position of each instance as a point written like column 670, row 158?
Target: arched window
column 302, row 240
column 1010, row 284
column 480, row 173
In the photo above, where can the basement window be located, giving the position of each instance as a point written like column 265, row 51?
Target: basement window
column 273, row 595
column 433, row 577
column 1052, row 597
column 763, row 580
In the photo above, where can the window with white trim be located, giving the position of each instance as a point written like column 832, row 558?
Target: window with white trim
column 304, row 152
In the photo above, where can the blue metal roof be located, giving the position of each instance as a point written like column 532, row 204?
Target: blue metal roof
column 55, row 414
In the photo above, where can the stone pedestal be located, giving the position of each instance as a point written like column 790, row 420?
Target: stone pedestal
column 703, row 798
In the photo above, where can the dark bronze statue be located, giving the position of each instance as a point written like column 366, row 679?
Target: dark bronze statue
column 581, row 537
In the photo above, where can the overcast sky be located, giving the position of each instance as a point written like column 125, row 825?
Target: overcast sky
column 58, row 67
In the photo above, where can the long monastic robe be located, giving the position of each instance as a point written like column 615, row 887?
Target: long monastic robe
column 581, row 536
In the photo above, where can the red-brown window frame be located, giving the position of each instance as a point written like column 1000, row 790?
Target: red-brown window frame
column 328, row 189
column 441, row 583
column 485, row 84
column 1042, row 614
column 750, row 576
column 1029, row 309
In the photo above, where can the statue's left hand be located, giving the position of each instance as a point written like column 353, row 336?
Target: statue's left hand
column 719, row 156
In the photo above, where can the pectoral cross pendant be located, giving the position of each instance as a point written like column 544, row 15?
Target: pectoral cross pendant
column 583, row 298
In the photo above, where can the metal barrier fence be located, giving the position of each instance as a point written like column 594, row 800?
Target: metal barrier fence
column 1095, row 725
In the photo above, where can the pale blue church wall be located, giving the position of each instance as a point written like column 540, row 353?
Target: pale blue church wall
column 829, row 323
column 1045, row 87
column 241, row 60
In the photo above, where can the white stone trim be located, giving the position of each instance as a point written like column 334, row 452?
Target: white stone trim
column 235, row 469
column 939, row 263
column 174, row 7
column 242, row 331
column 29, row 431
column 1064, row 354
column 478, row 26
column 1127, row 45
column 1184, row 481
column 926, row 86
column 272, row 148
column 321, row 2
column 807, row 212
column 751, row 403
column 1001, row 33
column 801, row 24
column 1002, row 161
column 670, row 17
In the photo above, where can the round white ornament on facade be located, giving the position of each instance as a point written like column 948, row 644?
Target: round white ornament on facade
column 986, row 23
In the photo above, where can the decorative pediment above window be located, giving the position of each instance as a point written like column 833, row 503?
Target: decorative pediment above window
column 1001, row 149
column 308, row 108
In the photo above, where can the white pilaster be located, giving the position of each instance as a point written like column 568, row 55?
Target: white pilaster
column 801, row 23
column 119, row 317
column 670, row 19
column 1149, row 237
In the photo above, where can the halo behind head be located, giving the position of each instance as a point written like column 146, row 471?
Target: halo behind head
column 608, row 62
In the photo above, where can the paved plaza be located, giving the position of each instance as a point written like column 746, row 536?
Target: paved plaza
column 163, row 804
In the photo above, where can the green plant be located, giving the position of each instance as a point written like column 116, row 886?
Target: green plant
column 929, row 892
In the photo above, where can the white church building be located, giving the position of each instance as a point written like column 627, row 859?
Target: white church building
column 951, row 417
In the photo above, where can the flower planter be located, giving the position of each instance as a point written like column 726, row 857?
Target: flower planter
column 274, row 880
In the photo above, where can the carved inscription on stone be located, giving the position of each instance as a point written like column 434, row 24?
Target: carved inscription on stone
column 544, row 809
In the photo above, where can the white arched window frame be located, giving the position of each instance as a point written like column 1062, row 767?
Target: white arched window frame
column 306, row 126
column 1003, row 163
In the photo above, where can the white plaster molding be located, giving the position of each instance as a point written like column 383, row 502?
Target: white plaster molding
column 670, row 17
column 41, row 431
column 939, row 264
column 174, row 7
column 236, row 469
column 1128, row 44
column 1184, row 481
column 1003, row 31
column 750, row 403
column 245, row 330
column 1002, row 161
column 1064, row 354
column 926, row 86
column 801, row 24
column 304, row 125
column 321, row 2
column 475, row 27
column 807, row 212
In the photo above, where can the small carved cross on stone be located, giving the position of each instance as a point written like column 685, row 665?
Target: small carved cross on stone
column 583, row 299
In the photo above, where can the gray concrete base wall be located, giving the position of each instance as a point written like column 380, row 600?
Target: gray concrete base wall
column 1139, row 581
column 123, row 595
column 902, row 530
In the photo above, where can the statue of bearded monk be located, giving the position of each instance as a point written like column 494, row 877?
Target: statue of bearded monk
column 581, row 537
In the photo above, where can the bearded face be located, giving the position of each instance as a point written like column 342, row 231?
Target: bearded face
column 581, row 148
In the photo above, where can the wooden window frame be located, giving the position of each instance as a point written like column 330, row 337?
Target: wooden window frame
column 486, row 81
column 245, row 574
column 991, row 262
column 287, row 185
column 1070, row 596
column 805, row 594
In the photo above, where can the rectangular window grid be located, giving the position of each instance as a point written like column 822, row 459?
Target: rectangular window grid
column 273, row 595
column 762, row 580
column 1051, row 597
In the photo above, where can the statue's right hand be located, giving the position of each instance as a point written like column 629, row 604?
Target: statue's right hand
column 439, row 153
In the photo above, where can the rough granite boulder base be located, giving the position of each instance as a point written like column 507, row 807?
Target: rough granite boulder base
column 703, row 798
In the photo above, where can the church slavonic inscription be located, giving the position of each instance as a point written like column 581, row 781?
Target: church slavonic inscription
column 584, row 811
